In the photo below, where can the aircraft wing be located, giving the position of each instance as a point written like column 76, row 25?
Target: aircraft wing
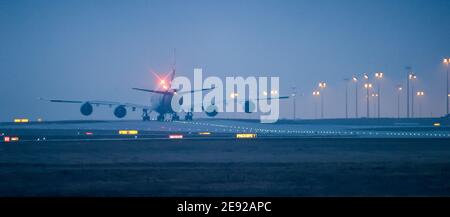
column 152, row 91
column 224, row 102
column 99, row 102
column 170, row 93
column 269, row 98
column 192, row 91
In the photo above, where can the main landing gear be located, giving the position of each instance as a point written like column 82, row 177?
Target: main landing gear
column 174, row 117
column 145, row 116
column 189, row 116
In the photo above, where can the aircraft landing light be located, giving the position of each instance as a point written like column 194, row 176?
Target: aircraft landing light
column 175, row 136
column 245, row 135
column 21, row 120
column 128, row 132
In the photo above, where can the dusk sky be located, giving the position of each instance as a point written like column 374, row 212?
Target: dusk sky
column 99, row 50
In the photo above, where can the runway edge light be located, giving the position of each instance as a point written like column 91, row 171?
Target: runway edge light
column 175, row 136
column 21, row 120
column 437, row 124
column 128, row 132
column 245, row 135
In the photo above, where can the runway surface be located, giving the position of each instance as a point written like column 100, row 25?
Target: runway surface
column 286, row 159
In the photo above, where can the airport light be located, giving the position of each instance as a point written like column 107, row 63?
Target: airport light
column 379, row 76
column 317, row 94
column 21, row 120
column 355, row 80
column 294, row 94
column 175, row 136
column 374, row 95
column 368, row 86
column 245, row 136
column 128, row 132
column 411, row 78
column 10, row 139
column 399, row 91
column 366, row 76
column 419, row 95
column 322, row 86
column 446, row 61
column 347, row 81
column 234, row 95
column 14, row 139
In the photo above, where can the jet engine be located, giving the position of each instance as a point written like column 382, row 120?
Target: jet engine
column 211, row 110
column 120, row 111
column 86, row 109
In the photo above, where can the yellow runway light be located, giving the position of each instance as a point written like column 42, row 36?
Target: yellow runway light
column 21, row 120
column 245, row 135
column 133, row 132
column 437, row 124
column 128, row 132
column 204, row 133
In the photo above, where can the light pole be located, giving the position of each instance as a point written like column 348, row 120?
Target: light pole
column 322, row 85
column 378, row 76
column 355, row 80
column 446, row 62
column 294, row 94
column 399, row 91
column 420, row 94
column 315, row 93
column 346, row 97
column 374, row 95
column 368, row 86
column 412, row 77
column 408, row 77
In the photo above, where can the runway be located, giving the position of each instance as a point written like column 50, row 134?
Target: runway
column 285, row 161
column 108, row 130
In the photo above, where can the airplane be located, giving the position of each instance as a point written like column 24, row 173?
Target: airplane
column 160, row 102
